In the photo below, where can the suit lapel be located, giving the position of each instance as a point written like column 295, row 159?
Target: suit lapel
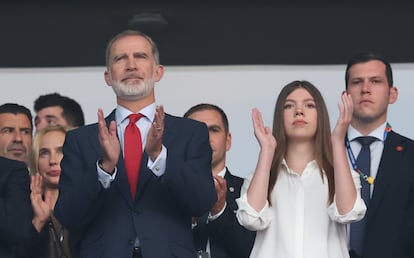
column 145, row 175
column 231, row 187
column 390, row 160
column 121, row 179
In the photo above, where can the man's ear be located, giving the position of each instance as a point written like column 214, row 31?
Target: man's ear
column 159, row 72
column 107, row 78
column 393, row 95
column 228, row 141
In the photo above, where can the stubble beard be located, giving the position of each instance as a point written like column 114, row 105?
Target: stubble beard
column 24, row 156
column 364, row 118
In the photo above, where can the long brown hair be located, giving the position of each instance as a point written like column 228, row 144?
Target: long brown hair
column 323, row 144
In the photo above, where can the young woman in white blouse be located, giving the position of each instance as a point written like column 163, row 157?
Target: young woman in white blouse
column 303, row 192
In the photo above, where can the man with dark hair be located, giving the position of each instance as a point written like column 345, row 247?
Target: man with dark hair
column 55, row 109
column 218, row 233
column 389, row 174
column 16, row 129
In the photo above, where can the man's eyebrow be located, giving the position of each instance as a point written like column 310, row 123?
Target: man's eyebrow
column 51, row 116
column 214, row 127
column 7, row 127
column 141, row 54
column 121, row 55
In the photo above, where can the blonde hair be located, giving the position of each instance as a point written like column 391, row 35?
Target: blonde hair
column 37, row 139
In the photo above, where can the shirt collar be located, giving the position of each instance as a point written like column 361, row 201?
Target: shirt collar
column 222, row 173
column 377, row 133
column 122, row 113
column 311, row 164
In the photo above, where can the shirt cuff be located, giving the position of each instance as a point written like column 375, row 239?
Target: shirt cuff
column 213, row 217
column 158, row 166
column 105, row 178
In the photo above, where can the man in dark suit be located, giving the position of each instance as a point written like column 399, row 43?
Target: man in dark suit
column 369, row 81
column 408, row 228
column 219, row 232
column 96, row 195
column 15, row 208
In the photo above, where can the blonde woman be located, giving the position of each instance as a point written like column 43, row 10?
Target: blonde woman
column 49, row 238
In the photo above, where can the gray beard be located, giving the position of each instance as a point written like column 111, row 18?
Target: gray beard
column 129, row 93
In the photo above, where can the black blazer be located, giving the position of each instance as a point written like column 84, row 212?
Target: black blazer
column 15, row 207
column 228, row 239
column 161, row 214
column 390, row 199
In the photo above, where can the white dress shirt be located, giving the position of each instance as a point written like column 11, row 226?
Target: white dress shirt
column 300, row 223
column 144, row 124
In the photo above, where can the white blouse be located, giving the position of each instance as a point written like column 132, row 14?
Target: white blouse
column 299, row 224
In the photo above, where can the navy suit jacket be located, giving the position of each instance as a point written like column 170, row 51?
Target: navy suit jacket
column 228, row 239
column 160, row 216
column 390, row 199
column 15, row 207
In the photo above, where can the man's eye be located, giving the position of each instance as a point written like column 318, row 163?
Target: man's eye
column 51, row 122
column 26, row 131
column 7, row 130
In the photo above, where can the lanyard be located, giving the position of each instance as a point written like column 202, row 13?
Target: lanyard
column 370, row 180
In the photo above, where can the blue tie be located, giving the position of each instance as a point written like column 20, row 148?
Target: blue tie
column 364, row 165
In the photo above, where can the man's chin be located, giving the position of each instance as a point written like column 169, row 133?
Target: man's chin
column 131, row 97
column 367, row 118
column 18, row 157
column 132, row 94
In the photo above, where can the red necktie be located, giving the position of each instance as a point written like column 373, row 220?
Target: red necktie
column 132, row 152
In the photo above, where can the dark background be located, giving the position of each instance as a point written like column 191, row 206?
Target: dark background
column 211, row 33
